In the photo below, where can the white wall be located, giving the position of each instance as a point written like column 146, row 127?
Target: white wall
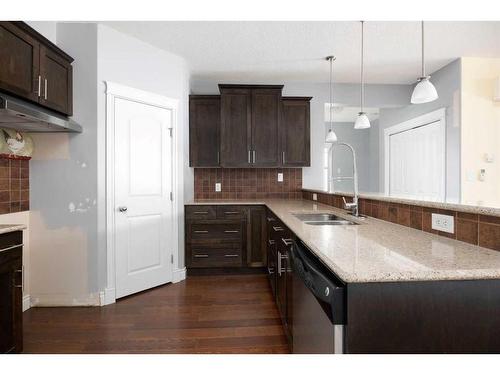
column 47, row 28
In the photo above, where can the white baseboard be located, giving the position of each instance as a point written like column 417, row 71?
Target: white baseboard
column 107, row 296
column 179, row 275
column 26, row 302
column 56, row 300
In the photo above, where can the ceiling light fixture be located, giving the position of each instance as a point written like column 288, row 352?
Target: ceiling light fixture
column 424, row 91
column 362, row 122
column 331, row 137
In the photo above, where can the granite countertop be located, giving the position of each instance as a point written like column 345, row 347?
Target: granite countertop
column 7, row 228
column 379, row 251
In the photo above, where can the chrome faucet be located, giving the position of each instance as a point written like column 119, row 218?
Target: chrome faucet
column 351, row 206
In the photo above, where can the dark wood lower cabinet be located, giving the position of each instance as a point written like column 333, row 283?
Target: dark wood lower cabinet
column 11, row 292
column 225, row 237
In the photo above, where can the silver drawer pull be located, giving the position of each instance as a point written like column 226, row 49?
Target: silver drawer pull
column 201, row 231
column 231, row 255
column 200, row 212
column 231, row 212
column 278, row 229
column 201, row 256
column 287, row 241
column 270, row 270
column 271, row 242
column 231, row 231
column 269, row 219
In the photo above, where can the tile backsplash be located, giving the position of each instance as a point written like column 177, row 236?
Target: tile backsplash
column 247, row 183
column 14, row 185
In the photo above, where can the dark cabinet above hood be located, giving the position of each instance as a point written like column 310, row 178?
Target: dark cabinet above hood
column 24, row 116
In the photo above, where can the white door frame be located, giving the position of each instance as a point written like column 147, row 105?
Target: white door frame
column 114, row 91
column 437, row 115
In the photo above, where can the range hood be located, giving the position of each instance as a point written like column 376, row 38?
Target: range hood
column 24, row 116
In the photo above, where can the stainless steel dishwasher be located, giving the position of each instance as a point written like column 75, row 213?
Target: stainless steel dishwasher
column 318, row 305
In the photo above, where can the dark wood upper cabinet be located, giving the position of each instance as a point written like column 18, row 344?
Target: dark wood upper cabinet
column 295, row 132
column 33, row 68
column 266, row 108
column 204, row 125
column 57, row 81
column 236, row 107
column 19, row 62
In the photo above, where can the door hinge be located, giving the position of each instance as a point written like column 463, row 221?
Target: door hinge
column 172, row 258
column 171, row 130
column 171, row 196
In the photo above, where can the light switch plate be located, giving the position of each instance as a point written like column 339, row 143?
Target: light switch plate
column 315, row 197
column 218, row 186
column 443, row 223
column 280, row 177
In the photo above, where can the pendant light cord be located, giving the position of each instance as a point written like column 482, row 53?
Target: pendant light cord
column 362, row 68
column 331, row 91
column 423, row 51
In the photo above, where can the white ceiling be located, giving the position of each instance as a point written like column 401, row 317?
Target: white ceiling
column 294, row 51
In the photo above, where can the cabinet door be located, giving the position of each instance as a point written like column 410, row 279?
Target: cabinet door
column 19, row 62
column 57, row 82
column 204, row 125
column 266, row 113
column 235, row 127
column 295, row 133
column 11, row 302
column 257, row 235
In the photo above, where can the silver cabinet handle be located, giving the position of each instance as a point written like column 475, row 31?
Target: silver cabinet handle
column 269, row 219
column 231, row 255
column 277, row 229
column 39, row 85
column 270, row 270
column 45, row 91
column 201, row 255
column 283, row 157
column 200, row 212
column 287, row 241
column 218, row 157
column 201, row 231
column 279, row 263
column 122, row 209
column 231, row 212
column 253, row 156
column 231, row 231
column 271, row 242
column 249, row 157
column 22, row 279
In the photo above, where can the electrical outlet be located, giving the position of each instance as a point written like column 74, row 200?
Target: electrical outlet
column 218, row 186
column 280, row 177
column 315, row 197
column 443, row 223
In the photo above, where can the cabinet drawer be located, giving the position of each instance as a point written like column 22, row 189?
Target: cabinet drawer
column 202, row 231
column 225, row 212
column 216, row 256
column 200, row 212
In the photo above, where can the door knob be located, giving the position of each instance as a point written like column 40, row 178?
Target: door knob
column 122, row 209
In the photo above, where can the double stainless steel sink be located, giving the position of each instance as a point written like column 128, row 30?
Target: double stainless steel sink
column 323, row 219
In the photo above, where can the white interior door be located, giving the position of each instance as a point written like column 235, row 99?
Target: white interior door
column 417, row 163
column 143, row 183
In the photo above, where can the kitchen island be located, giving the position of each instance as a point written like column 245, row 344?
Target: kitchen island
column 405, row 291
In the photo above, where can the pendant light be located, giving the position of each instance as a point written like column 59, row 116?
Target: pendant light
column 331, row 137
column 362, row 122
column 424, row 91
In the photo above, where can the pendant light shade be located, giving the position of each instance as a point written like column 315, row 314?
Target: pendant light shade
column 424, row 91
column 362, row 122
column 331, row 137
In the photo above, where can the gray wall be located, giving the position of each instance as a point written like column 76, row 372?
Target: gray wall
column 447, row 82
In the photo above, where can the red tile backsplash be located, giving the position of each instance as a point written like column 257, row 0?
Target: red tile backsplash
column 14, row 185
column 247, row 183
column 482, row 230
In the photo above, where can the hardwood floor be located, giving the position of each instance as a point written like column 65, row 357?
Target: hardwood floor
column 203, row 314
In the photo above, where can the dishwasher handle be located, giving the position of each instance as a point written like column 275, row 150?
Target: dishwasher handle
column 323, row 286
